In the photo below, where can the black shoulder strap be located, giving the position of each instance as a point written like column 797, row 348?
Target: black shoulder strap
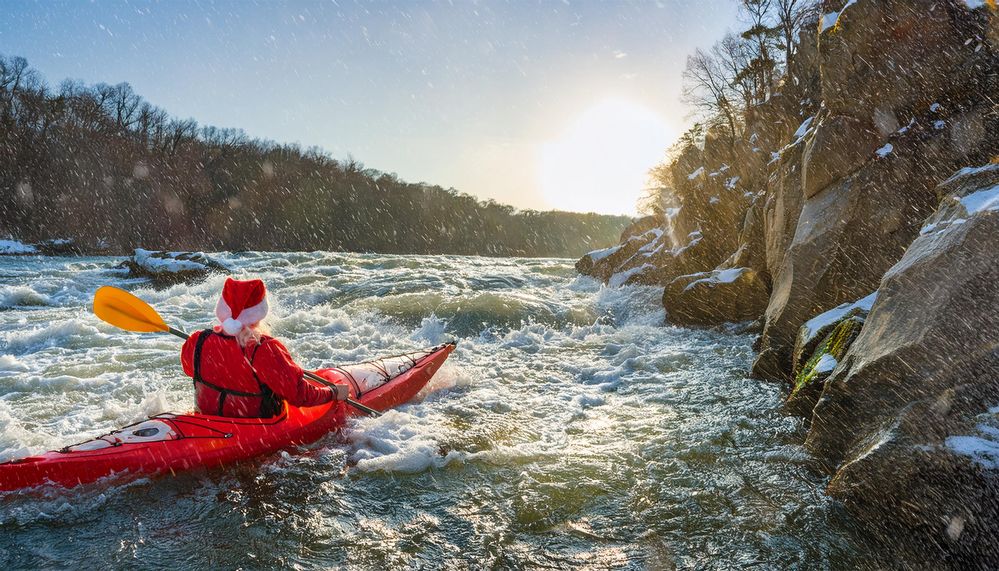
column 270, row 403
column 198, row 345
column 223, row 392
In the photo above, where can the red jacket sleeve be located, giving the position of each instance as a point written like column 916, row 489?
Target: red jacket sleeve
column 278, row 370
column 187, row 354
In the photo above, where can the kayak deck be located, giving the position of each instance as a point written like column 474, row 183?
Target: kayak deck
column 171, row 443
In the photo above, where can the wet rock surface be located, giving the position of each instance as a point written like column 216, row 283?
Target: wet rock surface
column 719, row 296
column 906, row 423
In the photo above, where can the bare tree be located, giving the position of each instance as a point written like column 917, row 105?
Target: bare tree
column 708, row 88
column 790, row 15
column 761, row 37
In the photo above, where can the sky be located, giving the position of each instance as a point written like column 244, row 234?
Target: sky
column 553, row 104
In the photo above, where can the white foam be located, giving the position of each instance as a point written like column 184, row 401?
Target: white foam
column 22, row 296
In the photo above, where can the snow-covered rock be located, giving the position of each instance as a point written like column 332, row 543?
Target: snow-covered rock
column 850, row 232
column 165, row 268
column 16, row 248
column 56, row 247
column 716, row 297
column 822, row 343
column 907, row 419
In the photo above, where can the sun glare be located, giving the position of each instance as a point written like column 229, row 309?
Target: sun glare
column 600, row 162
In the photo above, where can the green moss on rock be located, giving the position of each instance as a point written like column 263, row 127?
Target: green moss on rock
column 809, row 380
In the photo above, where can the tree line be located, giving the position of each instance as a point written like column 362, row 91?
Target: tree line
column 739, row 72
column 102, row 166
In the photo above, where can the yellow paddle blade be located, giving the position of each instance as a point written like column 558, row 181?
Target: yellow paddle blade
column 124, row 310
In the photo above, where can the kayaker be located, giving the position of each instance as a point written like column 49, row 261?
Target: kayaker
column 241, row 371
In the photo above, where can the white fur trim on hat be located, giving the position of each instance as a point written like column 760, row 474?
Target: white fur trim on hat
column 232, row 325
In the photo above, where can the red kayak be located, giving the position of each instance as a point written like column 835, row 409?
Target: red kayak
column 171, row 443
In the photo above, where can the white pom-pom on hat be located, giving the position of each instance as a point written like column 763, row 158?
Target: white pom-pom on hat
column 242, row 304
column 232, row 326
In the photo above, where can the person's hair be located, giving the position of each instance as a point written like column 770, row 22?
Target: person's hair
column 254, row 332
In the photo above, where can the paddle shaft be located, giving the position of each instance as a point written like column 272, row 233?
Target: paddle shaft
column 312, row 376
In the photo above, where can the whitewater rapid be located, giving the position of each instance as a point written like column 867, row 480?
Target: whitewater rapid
column 570, row 429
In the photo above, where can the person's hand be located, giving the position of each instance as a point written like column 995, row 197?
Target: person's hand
column 340, row 392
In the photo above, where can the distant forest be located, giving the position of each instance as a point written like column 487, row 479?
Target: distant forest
column 101, row 166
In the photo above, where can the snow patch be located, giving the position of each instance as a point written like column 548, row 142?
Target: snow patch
column 885, row 150
column 696, row 173
column 826, row 364
column 822, row 320
column 620, row 278
column 717, row 277
column 905, row 129
column 598, row 255
column 15, row 247
column 730, row 183
column 981, row 201
column 970, row 171
column 983, row 451
column 803, row 128
column 832, row 18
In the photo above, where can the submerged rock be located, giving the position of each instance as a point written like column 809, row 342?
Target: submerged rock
column 908, row 419
column 166, row 268
column 716, row 297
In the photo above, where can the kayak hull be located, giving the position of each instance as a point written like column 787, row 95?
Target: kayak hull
column 172, row 443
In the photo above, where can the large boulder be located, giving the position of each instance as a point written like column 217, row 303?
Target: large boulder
column 892, row 56
column 839, row 146
column 602, row 264
column 642, row 225
column 909, row 421
column 657, row 266
column 851, row 232
column 751, row 252
column 168, row 268
column 782, row 206
column 716, row 297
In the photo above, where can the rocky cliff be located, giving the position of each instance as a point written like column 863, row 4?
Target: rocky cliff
column 856, row 217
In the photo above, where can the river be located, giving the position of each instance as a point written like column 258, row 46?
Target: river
column 570, row 429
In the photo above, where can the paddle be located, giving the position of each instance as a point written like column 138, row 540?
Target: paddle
column 124, row 310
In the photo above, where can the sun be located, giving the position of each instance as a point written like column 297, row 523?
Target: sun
column 600, row 162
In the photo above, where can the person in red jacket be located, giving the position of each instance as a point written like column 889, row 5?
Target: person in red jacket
column 239, row 370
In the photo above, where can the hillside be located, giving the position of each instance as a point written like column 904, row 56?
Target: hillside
column 101, row 166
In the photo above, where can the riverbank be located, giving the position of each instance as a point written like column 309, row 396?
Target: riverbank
column 854, row 221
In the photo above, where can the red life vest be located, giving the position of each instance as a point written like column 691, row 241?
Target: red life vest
column 225, row 381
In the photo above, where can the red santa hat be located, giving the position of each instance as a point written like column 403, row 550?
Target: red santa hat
column 243, row 303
